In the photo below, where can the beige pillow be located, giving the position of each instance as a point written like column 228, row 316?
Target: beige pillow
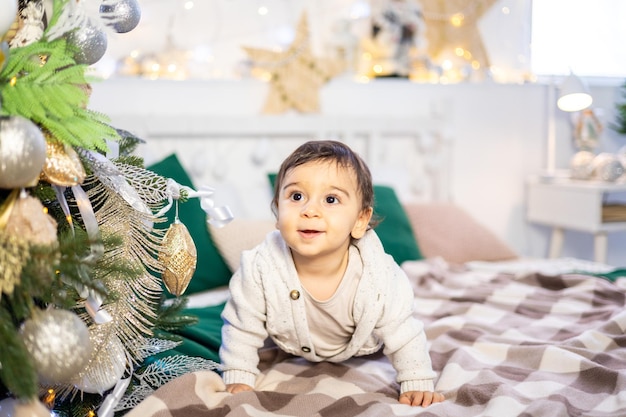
column 446, row 230
column 239, row 235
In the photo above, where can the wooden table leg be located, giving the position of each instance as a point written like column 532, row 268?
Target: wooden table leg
column 556, row 242
column 600, row 247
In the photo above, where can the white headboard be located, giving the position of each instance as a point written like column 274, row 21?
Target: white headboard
column 234, row 154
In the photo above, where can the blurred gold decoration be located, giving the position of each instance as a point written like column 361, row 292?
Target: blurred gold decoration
column 29, row 221
column 179, row 256
column 453, row 31
column 63, row 166
column 295, row 75
column 23, row 222
column 13, row 250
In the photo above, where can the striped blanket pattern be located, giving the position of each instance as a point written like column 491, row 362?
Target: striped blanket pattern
column 502, row 345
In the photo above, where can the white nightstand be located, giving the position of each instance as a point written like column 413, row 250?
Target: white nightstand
column 573, row 204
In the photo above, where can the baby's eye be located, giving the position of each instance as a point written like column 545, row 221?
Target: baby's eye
column 331, row 199
column 296, row 196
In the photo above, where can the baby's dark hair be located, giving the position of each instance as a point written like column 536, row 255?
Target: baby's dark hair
column 328, row 150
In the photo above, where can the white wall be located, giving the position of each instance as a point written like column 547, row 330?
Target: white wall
column 498, row 132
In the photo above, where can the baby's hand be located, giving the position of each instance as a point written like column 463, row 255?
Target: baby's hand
column 235, row 388
column 423, row 398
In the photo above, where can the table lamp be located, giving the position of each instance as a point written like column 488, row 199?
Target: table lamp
column 574, row 95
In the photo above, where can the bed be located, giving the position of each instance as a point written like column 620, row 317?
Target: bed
column 508, row 336
column 503, row 344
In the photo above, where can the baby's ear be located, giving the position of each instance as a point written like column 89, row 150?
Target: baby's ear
column 362, row 223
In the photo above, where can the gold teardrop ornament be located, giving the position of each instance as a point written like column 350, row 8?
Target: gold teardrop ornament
column 179, row 257
column 63, row 166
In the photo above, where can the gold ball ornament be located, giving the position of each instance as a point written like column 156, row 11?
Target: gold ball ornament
column 22, row 152
column 58, row 341
column 179, row 257
column 63, row 166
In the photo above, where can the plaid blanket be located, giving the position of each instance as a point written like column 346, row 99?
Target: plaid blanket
column 502, row 345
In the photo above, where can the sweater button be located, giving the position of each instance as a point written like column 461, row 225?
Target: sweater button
column 306, row 349
column 294, row 294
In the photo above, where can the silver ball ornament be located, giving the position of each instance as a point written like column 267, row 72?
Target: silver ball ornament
column 121, row 15
column 58, row 341
column 91, row 44
column 22, row 152
column 607, row 167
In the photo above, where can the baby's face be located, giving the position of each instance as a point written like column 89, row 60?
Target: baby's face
column 319, row 209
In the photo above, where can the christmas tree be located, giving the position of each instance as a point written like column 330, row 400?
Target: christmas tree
column 620, row 123
column 81, row 298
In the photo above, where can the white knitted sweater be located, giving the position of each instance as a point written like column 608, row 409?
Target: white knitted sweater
column 261, row 305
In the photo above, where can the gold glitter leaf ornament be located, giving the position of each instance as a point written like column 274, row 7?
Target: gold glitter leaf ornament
column 179, row 256
column 63, row 166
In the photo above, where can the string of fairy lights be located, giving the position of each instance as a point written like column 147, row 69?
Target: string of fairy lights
column 220, row 52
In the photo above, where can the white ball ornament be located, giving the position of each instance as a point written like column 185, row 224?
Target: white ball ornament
column 10, row 407
column 106, row 366
column 22, row 152
column 581, row 165
column 7, row 407
column 8, row 15
column 121, row 15
column 58, row 341
column 33, row 408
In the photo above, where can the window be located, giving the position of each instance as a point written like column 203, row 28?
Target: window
column 584, row 36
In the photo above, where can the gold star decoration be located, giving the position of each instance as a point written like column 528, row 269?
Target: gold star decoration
column 295, row 75
column 452, row 29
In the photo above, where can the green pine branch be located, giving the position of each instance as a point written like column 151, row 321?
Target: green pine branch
column 620, row 122
column 43, row 83
column 171, row 317
column 17, row 371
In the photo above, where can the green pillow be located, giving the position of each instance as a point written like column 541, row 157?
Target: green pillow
column 394, row 229
column 211, row 270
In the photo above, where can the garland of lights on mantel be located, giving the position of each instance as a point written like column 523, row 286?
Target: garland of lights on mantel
column 454, row 48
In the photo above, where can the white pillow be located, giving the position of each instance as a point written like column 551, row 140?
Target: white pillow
column 239, row 235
